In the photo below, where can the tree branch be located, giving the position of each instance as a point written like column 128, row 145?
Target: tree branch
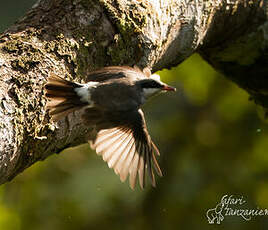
column 75, row 37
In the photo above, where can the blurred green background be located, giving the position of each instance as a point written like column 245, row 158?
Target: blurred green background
column 212, row 143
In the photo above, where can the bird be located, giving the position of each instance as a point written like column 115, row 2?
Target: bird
column 110, row 102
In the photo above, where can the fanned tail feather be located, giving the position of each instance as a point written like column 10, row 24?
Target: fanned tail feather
column 62, row 97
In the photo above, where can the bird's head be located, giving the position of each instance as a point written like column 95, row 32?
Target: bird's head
column 153, row 85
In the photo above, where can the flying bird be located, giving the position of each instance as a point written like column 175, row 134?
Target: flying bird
column 111, row 102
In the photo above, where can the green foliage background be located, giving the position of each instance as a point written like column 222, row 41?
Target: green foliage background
column 212, row 143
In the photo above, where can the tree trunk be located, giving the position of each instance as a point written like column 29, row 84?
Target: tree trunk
column 74, row 37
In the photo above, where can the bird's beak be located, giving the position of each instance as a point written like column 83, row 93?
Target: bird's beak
column 168, row 88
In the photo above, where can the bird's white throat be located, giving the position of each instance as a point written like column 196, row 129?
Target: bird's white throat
column 149, row 92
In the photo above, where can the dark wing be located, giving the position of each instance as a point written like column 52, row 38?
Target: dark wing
column 128, row 149
column 113, row 72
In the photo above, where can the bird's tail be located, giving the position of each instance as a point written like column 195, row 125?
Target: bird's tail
column 62, row 97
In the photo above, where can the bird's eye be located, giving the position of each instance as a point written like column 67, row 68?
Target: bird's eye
column 151, row 84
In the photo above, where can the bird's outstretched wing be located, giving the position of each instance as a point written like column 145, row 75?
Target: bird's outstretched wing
column 128, row 148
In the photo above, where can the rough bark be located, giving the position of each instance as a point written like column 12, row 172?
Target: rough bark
column 74, row 37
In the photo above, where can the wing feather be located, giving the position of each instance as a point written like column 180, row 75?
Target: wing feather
column 110, row 152
column 142, row 164
column 149, row 165
column 125, row 168
column 106, row 143
column 118, row 151
column 133, row 170
column 125, row 151
column 128, row 149
column 156, row 166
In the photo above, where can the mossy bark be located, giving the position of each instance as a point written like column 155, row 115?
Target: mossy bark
column 74, row 37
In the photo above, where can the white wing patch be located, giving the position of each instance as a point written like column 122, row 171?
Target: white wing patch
column 84, row 92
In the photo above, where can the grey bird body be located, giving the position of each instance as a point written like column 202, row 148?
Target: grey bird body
column 130, row 101
column 111, row 100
